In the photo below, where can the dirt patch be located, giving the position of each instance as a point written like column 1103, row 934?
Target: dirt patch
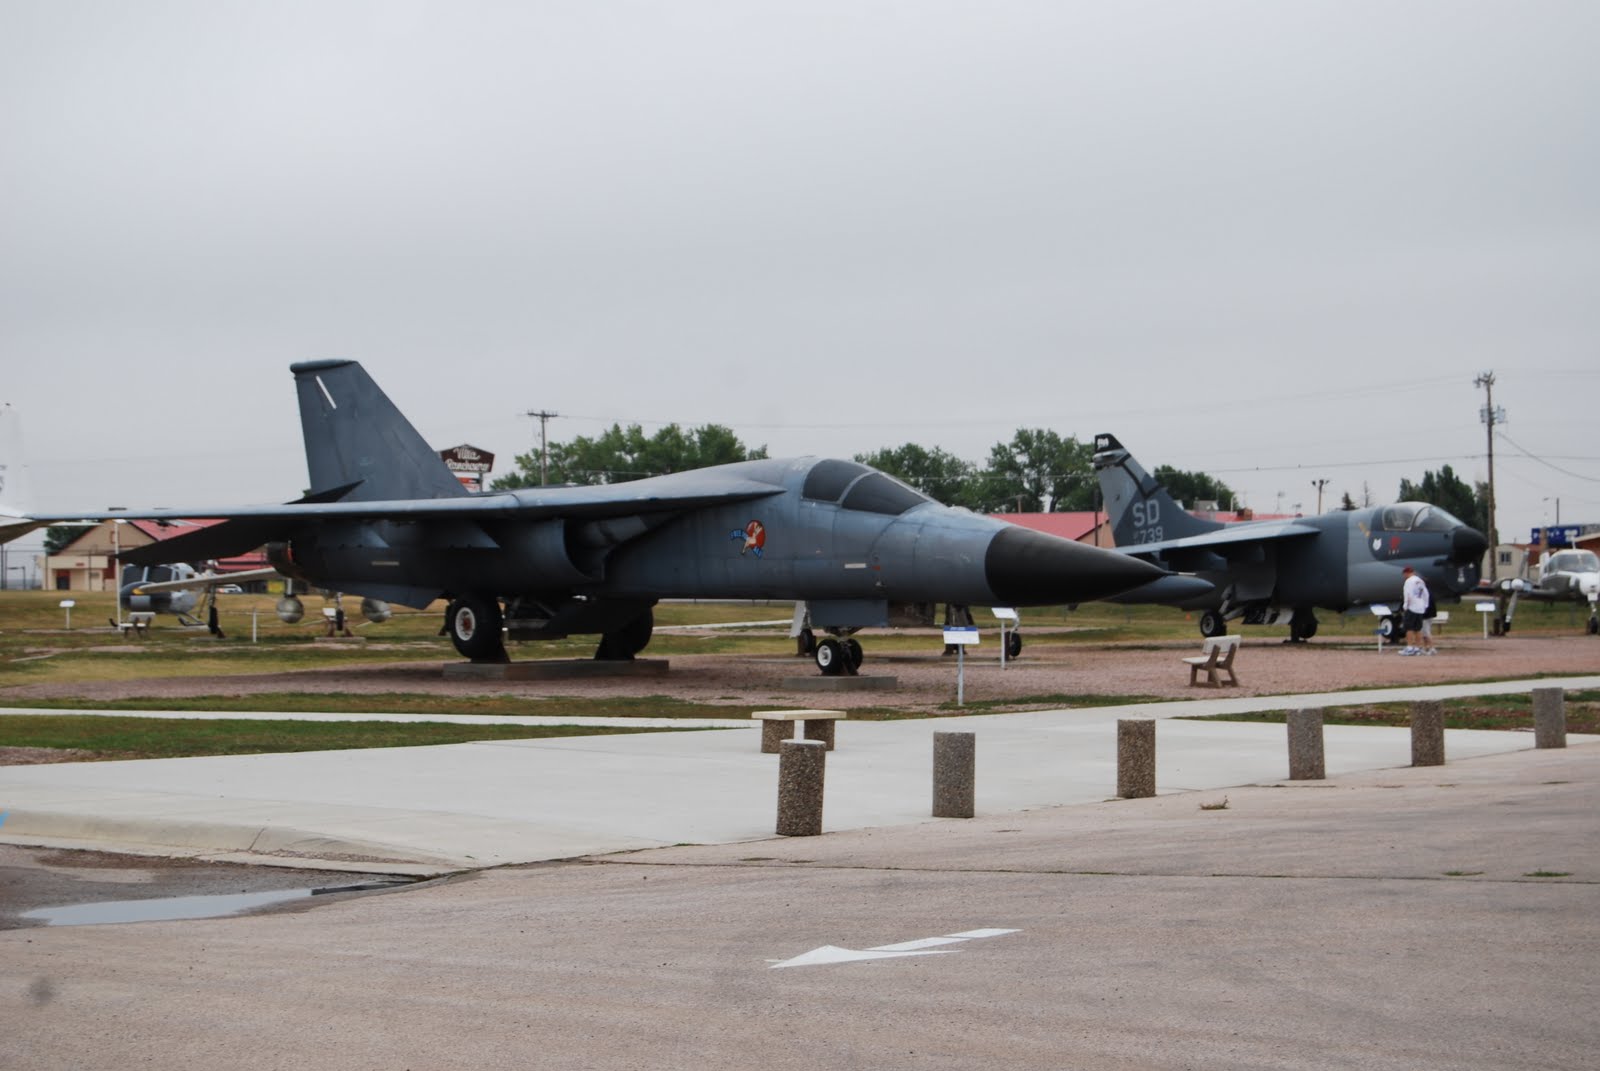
column 1047, row 675
column 34, row 756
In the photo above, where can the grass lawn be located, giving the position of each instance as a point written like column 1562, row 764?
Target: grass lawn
column 108, row 737
column 1505, row 712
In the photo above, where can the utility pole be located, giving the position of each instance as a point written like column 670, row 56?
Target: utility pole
column 1319, row 485
column 1490, row 417
column 544, row 451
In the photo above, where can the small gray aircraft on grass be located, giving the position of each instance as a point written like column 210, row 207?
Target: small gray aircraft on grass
column 1565, row 576
column 1266, row 572
column 387, row 520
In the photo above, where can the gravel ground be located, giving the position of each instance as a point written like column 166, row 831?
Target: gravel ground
column 1047, row 674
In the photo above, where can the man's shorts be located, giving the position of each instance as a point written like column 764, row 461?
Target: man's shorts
column 1412, row 621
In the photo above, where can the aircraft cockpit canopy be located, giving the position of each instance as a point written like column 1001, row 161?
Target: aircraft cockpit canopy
column 149, row 574
column 1574, row 561
column 855, row 486
column 1417, row 517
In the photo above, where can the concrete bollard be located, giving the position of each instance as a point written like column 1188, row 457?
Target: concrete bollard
column 1427, row 733
column 800, row 771
column 954, row 785
column 1306, row 761
column 1549, row 717
column 1136, row 758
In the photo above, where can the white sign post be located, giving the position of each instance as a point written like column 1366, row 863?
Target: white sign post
column 1485, row 608
column 960, row 636
column 1380, row 611
column 1004, row 615
column 67, row 605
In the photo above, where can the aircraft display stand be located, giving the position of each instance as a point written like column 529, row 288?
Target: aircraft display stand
column 555, row 669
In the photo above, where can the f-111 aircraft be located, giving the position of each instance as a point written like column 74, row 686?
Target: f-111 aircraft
column 1565, row 576
column 387, row 520
column 1266, row 572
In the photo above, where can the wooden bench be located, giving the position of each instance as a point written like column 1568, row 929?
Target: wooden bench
column 778, row 726
column 1215, row 658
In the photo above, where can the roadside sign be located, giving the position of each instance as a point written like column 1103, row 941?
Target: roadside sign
column 961, row 634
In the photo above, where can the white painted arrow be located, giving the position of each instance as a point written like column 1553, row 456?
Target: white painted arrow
column 925, row 946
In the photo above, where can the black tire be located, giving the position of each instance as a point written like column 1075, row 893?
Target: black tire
column 1594, row 626
column 805, row 644
column 853, row 649
column 1014, row 645
column 627, row 641
column 1302, row 626
column 1213, row 624
column 475, row 624
column 830, row 657
column 1387, row 628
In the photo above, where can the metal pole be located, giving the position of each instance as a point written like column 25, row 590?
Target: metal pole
column 1486, row 381
column 544, row 452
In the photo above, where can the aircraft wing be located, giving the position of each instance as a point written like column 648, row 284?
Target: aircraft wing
column 247, row 527
column 590, row 502
column 209, row 580
column 1233, row 535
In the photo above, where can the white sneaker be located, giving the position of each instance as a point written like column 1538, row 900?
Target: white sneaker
column 1408, row 650
column 1430, row 650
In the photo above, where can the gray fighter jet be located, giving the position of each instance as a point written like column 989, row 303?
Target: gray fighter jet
column 387, row 520
column 1266, row 572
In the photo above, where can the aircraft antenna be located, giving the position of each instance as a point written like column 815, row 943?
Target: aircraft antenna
column 544, row 450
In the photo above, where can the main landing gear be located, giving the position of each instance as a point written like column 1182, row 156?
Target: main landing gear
column 474, row 624
column 836, row 655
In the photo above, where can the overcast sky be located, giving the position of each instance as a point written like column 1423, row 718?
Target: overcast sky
column 1272, row 241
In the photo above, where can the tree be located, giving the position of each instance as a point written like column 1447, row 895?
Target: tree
column 618, row 455
column 939, row 475
column 57, row 536
column 1347, row 503
column 1037, row 470
column 1449, row 491
column 1191, row 488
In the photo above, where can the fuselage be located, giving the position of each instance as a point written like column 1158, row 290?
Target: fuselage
column 830, row 530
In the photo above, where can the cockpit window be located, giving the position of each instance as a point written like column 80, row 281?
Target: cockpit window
column 1575, row 561
column 1417, row 516
column 878, row 493
column 827, row 480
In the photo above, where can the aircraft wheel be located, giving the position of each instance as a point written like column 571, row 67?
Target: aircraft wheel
column 1302, row 626
column 475, row 623
column 1213, row 624
column 1594, row 626
column 627, row 641
column 1014, row 645
column 830, row 657
column 805, row 644
column 853, row 649
column 1388, row 629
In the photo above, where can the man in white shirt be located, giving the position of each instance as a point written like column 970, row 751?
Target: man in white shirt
column 1413, row 604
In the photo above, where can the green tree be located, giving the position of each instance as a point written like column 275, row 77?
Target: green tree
column 1444, row 488
column 1190, row 488
column 1347, row 503
column 939, row 475
column 620, row 454
column 57, row 536
column 1037, row 469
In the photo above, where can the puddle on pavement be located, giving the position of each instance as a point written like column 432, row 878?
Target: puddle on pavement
column 164, row 909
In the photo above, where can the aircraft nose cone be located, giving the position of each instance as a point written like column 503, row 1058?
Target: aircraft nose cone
column 1467, row 546
column 1028, row 568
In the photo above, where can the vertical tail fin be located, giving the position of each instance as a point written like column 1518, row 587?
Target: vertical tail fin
column 16, row 494
column 355, row 435
column 1140, row 509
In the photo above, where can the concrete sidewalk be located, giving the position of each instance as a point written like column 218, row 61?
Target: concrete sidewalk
column 462, row 806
